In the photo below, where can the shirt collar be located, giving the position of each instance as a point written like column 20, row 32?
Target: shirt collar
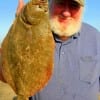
column 56, row 38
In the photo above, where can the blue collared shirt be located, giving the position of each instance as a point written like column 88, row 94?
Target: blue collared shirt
column 76, row 68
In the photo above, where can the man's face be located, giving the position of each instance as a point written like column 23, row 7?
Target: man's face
column 65, row 17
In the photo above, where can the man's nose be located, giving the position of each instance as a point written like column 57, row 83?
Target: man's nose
column 66, row 11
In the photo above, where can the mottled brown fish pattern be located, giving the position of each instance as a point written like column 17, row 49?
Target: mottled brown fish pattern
column 28, row 50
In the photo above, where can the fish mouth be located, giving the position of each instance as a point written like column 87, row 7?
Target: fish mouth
column 41, row 4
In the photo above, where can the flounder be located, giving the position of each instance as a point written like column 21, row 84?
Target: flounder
column 28, row 50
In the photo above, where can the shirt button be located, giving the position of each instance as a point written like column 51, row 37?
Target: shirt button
column 62, row 53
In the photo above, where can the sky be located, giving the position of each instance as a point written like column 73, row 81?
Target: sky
column 8, row 10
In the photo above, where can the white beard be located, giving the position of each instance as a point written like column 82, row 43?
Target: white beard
column 65, row 30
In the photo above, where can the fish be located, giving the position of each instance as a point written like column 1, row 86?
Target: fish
column 28, row 50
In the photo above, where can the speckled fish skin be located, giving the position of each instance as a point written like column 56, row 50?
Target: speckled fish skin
column 28, row 50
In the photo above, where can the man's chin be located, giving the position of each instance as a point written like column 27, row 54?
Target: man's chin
column 67, row 32
column 64, row 30
column 63, row 34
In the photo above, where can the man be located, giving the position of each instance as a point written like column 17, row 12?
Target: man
column 77, row 54
column 76, row 68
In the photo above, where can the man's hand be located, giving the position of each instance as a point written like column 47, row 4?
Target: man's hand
column 20, row 6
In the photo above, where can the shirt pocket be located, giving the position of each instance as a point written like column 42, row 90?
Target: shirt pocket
column 89, row 69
